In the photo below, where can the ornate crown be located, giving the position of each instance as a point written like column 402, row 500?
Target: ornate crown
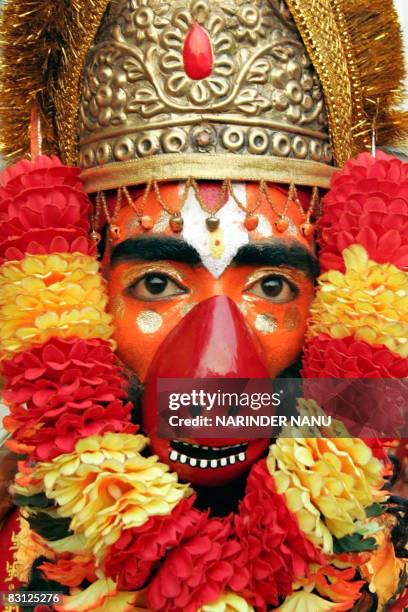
column 254, row 90
column 231, row 79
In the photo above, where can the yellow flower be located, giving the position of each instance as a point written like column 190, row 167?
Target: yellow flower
column 228, row 602
column 51, row 295
column 107, row 486
column 304, row 601
column 369, row 301
column 327, row 483
column 101, row 595
column 383, row 570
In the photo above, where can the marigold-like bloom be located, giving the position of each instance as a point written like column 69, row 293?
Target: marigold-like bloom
column 369, row 301
column 305, row 601
column 228, row 602
column 106, row 486
column 70, row 571
column 51, row 295
column 43, row 209
column 274, row 549
column 62, row 391
column 327, row 483
column 198, row 571
column 102, row 595
column 367, row 204
column 132, row 558
column 326, row 357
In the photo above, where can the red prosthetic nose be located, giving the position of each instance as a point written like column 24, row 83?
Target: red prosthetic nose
column 211, row 341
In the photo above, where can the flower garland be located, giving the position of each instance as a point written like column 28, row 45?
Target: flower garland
column 112, row 517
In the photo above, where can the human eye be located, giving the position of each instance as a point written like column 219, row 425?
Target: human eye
column 155, row 285
column 275, row 288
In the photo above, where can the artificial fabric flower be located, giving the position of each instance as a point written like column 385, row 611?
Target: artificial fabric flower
column 326, row 482
column 228, row 602
column 102, row 595
column 335, row 584
column 326, row 357
column 369, row 301
column 198, row 571
column 55, row 390
column 51, row 295
column 360, row 404
column 106, row 486
column 305, row 601
column 367, row 204
column 71, row 570
column 383, row 569
column 131, row 559
column 43, row 209
column 274, row 551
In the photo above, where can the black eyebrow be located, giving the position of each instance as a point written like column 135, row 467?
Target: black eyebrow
column 155, row 248
column 278, row 253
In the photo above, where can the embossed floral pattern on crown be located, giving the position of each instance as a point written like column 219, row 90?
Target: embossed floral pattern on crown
column 262, row 97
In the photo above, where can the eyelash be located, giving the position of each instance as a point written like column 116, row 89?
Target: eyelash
column 144, row 275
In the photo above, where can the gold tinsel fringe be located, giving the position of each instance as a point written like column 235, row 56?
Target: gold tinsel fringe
column 376, row 61
column 44, row 44
column 31, row 42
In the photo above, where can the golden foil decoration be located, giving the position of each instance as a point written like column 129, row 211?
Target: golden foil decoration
column 266, row 323
column 292, row 318
column 116, row 307
column 355, row 47
column 149, row 321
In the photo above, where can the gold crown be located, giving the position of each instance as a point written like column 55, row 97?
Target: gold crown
column 285, row 86
column 248, row 101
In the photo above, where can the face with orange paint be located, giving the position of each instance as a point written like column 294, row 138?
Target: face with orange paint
column 157, row 277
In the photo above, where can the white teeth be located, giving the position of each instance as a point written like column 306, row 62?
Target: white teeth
column 206, row 463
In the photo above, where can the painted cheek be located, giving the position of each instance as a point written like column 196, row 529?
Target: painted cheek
column 280, row 329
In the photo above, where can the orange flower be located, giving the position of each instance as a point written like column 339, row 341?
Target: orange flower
column 72, row 570
column 383, row 569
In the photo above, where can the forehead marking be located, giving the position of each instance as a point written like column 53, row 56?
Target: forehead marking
column 232, row 233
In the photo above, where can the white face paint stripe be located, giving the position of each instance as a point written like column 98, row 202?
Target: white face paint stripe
column 216, row 249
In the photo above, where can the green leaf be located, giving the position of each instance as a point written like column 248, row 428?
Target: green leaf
column 37, row 501
column 375, row 510
column 48, row 527
column 353, row 543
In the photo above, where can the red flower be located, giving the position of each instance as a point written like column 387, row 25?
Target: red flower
column 131, row 559
column 274, row 549
column 198, row 571
column 366, row 410
column 326, row 357
column 62, row 391
column 43, row 209
column 367, row 204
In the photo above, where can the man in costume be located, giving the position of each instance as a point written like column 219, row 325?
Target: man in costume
column 204, row 134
